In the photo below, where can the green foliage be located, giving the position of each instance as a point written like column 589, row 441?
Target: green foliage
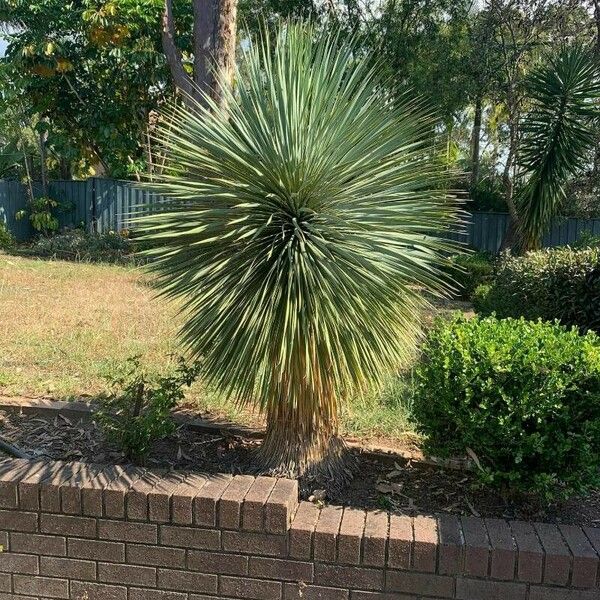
column 297, row 231
column 80, row 246
column 138, row 411
column 557, row 135
column 41, row 212
column 586, row 239
column 523, row 396
column 470, row 271
column 7, row 241
column 550, row 284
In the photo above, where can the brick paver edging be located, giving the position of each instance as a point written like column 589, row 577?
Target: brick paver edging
column 90, row 532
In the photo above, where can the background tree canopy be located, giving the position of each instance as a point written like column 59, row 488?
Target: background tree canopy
column 89, row 77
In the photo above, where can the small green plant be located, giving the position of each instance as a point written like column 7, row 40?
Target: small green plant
column 471, row 270
column 42, row 214
column 522, row 396
column 7, row 241
column 586, row 240
column 558, row 283
column 137, row 413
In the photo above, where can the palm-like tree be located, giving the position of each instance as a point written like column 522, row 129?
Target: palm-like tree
column 297, row 230
column 558, row 134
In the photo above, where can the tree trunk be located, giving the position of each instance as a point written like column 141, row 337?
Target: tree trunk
column 475, row 141
column 304, row 443
column 214, row 33
column 226, row 41
column 512, row 235
column 43, row 171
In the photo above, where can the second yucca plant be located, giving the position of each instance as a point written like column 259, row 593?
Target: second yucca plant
column 297, row 230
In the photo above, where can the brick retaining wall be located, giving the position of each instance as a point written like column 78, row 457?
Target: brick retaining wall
column 88, row 532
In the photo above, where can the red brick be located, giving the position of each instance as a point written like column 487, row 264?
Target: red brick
column 136, row 594
column 82, row 527
column 426, row 544
column 552, row 593
column 50, row 488
column 30, row 543
column 375, row 538
column 477, row 547
column 348, row 577
column 96, row 591
column 350, row 536
column 504, row 554
column 136, row 498
column 205, row 502
column 214, row 562
column 400, row 542
column 114, row 493
column 70, row 491
column 253, row 509
column 14, row 520
column 301, row 591
column 186, row 581
column 585, row 560
column 127, row 574
column 250, row 588
column 263, row 544
column 67, row 567
column 285, row 570
column 156, row 556
column 182, row 500
column 476, row 589
column 230, row 504
column 92, row 493
column 19, row 563
column 40, row 586
column 29, row 486
column 451, row 545
column 424, row 584
column 119, row 531
column 557, row 564
column 302, row 530
column 95, row 550
column 326, row 533
column 281, row 506
column 380, row 596
column 530, row 554
column 159, row 498
column 11, row 472
column 190, row 537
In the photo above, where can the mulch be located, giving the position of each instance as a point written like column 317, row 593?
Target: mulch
column 385, row 481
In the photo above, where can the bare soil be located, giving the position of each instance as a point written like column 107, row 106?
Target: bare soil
column 381, row 481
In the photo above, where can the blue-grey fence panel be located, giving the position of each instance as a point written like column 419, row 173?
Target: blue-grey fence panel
column 74, row 202
column 13, row 198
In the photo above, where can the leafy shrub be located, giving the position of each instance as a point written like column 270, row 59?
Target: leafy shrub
column 42, row 214
column 138, row 411
column 523, row 396
column 471, row 270
column 78, row 245
column 7, row 241
column 559, row 283
column 586, row 240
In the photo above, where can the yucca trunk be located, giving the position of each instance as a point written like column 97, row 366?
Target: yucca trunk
column 302, row 443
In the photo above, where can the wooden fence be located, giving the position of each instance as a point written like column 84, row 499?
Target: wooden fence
column 104, row 205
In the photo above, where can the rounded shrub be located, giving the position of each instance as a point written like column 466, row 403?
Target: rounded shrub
column 559, row 283
column 523, row 396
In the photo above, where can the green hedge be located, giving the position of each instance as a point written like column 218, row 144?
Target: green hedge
column 523, row 396
column 561, row 284
column 471, row 271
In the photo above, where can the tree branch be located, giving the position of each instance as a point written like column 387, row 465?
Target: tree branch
column 174, row 59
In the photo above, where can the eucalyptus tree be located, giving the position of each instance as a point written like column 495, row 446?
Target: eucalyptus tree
column 297, row 231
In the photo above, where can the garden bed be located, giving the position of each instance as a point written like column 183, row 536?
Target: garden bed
column 390, row 481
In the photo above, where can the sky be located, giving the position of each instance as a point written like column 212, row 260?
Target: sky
column 2, row 47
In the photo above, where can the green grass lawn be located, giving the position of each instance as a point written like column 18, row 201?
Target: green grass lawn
column 66, row 328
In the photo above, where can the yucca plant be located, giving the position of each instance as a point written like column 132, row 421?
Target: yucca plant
column 558, row 134
column 297, row 231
